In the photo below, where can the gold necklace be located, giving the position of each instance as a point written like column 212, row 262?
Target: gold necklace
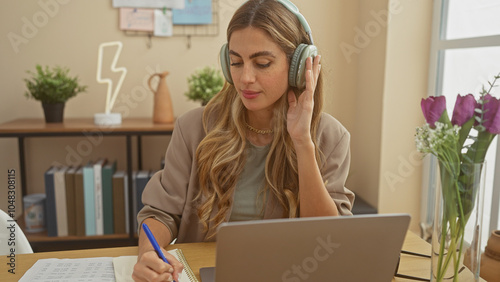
column 259, row 131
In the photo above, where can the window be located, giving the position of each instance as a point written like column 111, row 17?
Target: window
column 465, row 55
column 471, row 18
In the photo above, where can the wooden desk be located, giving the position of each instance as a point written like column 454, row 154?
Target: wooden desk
column 203, row 255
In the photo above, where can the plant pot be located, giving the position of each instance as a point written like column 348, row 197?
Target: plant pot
column 53, row 112
column 490, row 259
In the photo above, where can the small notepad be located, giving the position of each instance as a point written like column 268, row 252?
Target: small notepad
column 124, row 266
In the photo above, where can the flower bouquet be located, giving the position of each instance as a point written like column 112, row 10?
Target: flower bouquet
column 460, row 146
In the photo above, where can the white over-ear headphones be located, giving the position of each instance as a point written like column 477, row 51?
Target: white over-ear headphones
column 296, row 73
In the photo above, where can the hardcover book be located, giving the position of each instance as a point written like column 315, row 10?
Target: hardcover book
column 69, row 178
column 60, row 196
column 51, row 220
column 99, row 216
column 120, row 202
column 107, row 197
column 89, row 199
column 79, row 203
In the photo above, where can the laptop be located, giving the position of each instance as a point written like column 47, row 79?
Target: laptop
column 346, row 248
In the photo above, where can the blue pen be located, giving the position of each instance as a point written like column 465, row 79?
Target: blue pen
column 154, row 243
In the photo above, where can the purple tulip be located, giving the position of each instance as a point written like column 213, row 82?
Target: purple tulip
column 464, row 109
column 491, row 115
column 433, row 108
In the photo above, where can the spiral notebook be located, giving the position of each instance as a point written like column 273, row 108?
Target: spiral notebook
column 124, row 266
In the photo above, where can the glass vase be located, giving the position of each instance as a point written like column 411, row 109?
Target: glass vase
column 456, row 236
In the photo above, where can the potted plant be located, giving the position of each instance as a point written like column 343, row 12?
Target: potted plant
column 53, row 87
column 204, row 84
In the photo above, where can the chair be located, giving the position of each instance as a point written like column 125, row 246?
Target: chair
column 18, row 240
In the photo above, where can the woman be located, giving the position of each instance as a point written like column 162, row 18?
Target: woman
column 260, row 149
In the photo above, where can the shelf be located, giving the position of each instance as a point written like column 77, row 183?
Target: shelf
column 36, row 127
column 41, row 242
column 79, row 126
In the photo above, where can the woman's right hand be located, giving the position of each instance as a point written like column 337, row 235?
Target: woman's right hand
column 150, row 267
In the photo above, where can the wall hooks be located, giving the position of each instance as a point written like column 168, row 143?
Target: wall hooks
column 149, row 43
column 202, row 30
column 149, row 35
column 189, row 42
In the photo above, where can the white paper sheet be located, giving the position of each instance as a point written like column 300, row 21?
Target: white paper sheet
column 163, row 23
column 159, row 4
column 136, row 19
column 62, row 270
column 99, row 269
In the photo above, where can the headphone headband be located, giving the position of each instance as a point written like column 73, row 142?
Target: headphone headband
column 292, row 8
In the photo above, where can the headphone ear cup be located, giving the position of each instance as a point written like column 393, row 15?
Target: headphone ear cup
column 296, row 73
column 225, row 63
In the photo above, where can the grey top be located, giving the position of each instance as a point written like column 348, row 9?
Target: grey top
column 248, row 203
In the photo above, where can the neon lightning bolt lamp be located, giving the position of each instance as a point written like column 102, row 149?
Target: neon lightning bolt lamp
column 109, row 118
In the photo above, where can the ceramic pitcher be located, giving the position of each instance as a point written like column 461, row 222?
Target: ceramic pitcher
column 162, row 108
column 490, row 259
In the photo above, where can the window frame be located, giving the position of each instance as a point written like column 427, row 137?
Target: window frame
column 439, row 44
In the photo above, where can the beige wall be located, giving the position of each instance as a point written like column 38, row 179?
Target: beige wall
column 367, row 50
column 373, row 91
column 70, row 37
column 392, row 38
column 405, row 83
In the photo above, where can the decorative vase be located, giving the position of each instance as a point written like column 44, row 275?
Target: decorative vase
column 162, row 108
column 490, row 259
column 457, row 222
column 53, row 112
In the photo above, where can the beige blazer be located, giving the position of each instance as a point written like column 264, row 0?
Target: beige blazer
column 168, row 196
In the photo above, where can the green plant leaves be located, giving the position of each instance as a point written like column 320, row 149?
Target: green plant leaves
column 204, row 84
column 52, row 85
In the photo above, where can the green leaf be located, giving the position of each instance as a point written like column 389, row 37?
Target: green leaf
column 464, row 133
column 467, row 159
column 203, row 84
column 52, row 85
column 461, row 187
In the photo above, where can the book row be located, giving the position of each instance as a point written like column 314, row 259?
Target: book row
column 91, row 199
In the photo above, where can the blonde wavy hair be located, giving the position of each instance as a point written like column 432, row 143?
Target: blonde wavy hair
column 221, row 154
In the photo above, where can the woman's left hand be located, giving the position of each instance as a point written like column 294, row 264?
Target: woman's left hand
column 300, row 111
